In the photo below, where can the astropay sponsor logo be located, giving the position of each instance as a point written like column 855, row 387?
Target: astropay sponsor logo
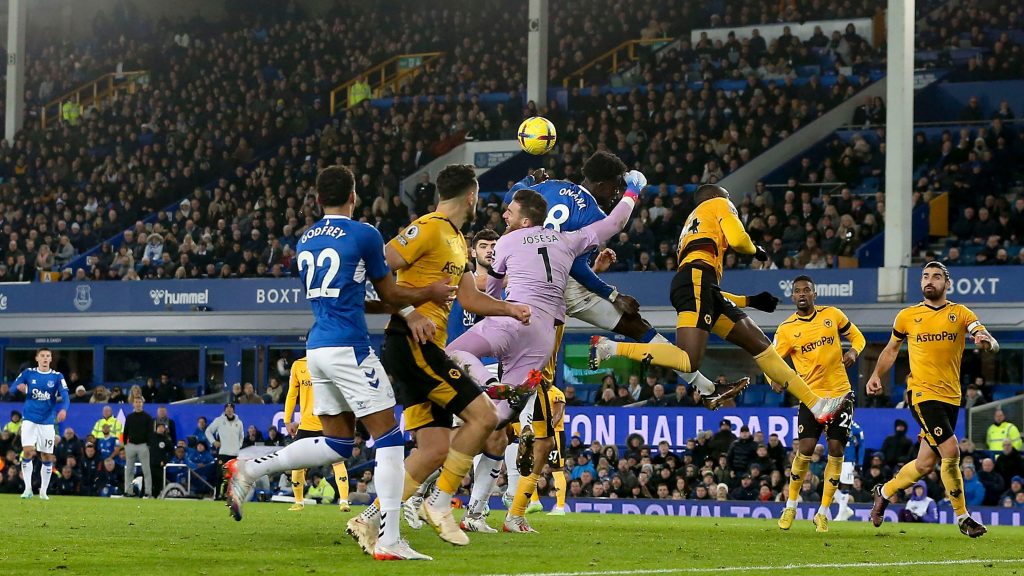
column 163, row 297
column 835, row 290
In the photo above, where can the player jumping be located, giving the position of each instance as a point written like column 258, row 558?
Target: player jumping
column 711, row 229
column 811, row 337
column 536, row 262
column 588, row 298
column 934, row 331
column 41, row 386
column 335, row 256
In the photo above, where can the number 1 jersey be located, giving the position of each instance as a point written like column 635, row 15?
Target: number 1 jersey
column 335, row 258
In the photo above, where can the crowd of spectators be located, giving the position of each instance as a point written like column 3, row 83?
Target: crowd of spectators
column 990, row 30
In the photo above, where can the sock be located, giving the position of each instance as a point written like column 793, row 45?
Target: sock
column 536, row 496
column 659, row 354
column 485, row 476
column 427, row 484
column 28, row 468
column 476, row 368
column 456, row 467
column 341, row 478
column 523, row 494
column 953, row 481
column 47, row 473
column 696, row 379
column 903, row 479
column 833, row 468
column 775, row 368
column 796, row 478
column 372, row 510
column 560, row 488
column 305, row 453
column 299, row 485
column 388, row 478
column 511, row 470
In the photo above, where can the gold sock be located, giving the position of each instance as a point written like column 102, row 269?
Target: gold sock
column 903, row 479
column 833, row 468
column 560, row 487
column 776, row 369
column 341, row 478
column 456, row 467
column 536, row 496
column 408, row 489
column 659, row 354
column 796, row 475
column 299, row 484
column 953, row 481
column 527, row 486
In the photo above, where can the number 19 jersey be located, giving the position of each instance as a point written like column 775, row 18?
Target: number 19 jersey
column 335, row 258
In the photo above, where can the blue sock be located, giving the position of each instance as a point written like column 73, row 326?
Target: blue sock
column 343, row 446
column 649, row 335
column 393, row 437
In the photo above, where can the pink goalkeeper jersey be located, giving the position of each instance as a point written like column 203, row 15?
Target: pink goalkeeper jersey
column 537, row 260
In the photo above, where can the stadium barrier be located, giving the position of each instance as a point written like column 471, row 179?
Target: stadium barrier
column 609, row 426
column 990, row 516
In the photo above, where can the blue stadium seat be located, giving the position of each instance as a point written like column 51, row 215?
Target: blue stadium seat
column 752, row 396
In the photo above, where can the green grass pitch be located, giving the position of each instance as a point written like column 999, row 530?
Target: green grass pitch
column 73, row 535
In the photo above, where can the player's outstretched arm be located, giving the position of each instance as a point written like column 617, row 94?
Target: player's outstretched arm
column 476, row 302
column 737, row 237
column 585, row 275
column 885, row 361
column 616, row 220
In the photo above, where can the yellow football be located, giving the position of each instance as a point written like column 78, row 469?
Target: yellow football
column 537, row 135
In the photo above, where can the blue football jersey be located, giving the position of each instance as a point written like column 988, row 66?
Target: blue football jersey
column 41, row 396
column 335, row 258
column 570, row 206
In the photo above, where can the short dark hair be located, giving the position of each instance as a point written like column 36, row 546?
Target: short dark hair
column 707, row 192
column 803, row 278
column 334, row 185
column 604, row 167
column 43, row 349
column 939, row 265
column 487, row 235
column 534, row 206
column 455, row 180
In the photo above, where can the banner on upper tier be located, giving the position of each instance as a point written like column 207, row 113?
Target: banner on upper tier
column 606, row 425
column 838, row 286
column 989, row 516
column 975, row 284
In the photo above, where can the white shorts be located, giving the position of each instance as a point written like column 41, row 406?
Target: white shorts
column 344, row 381
column 846, row 476
column 41, row 436
column 584, row 305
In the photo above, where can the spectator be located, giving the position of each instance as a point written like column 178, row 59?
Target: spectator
column 722, row 440
column 658, row 398
column 638, row 392
column 202, row 463
column 974, row 397
column 274, row 392
column 107, row 420
column 742, row 452
column 67, row 482
column 253, row 437
column 920, row 508
column 992, row 481
column 1016, row 487
column 138, row 429
column 90, row 466
column 107, row 443
column 1000, row 430
column 178, row 473
column 746, row 490
column 1009, row 462
column 169, row 427
column 570, row 397
column 248, row 395
column 80, row 395
column 896, row 448
column 200, row 431
column 110, row 480
column 150, row 392
column 320, row 489
column 161, row 450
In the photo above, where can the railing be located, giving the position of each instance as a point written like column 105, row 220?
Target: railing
column 390, row 74
column 104, row 88
column 620, row 56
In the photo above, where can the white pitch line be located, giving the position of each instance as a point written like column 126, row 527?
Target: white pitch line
column 782, row 567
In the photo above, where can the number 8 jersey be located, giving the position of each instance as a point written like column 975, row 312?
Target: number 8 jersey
column 335, row 258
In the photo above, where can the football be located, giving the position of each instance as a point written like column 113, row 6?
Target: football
column 537, row 135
